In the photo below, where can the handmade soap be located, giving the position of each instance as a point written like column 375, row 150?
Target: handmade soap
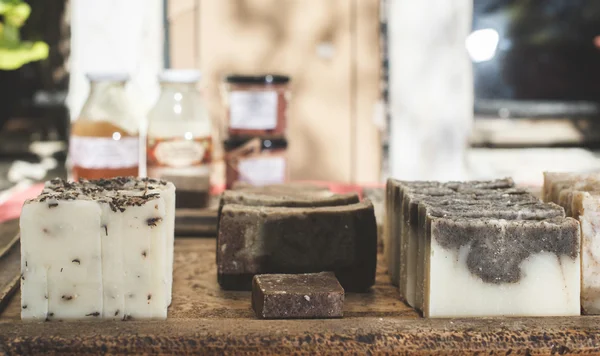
column 288, row 199
column 518, row 207
column 401, row 214
column 130, row 186
column 98, row 249
column 256, row 240
column 586, row 208
column 496, row 230
column 392, row 246
column 579, row 194
column 287, row 296
column 497, row 267
column 407, row 262
column 478, row 202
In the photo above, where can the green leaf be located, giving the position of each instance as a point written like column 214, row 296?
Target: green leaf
column 16, row 15
column 14, row 58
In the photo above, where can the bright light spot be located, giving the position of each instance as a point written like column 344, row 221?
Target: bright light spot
column 116, row 136
column 178, row 96
column 188, row 135
column 177, row 109
column 482, row 44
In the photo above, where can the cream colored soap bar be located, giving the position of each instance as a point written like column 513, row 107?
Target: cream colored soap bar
column 579, row 194
column 98, row 249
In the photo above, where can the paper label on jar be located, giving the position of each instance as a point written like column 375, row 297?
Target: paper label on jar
column 179, row 152
column 253, row 110
column 262, row 170
column 104, row 152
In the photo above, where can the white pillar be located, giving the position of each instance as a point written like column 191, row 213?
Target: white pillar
column 116, row 35
column 431, row 88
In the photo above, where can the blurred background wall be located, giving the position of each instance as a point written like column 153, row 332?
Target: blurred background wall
column 329, row 48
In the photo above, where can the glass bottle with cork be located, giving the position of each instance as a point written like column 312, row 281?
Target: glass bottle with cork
column 179, row 141
column 104, row 140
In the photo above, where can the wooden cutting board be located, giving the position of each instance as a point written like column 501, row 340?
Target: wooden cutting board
column 204, row 319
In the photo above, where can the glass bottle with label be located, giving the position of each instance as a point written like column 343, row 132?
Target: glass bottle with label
column 179, row 143
column 256, row 161
column 257, row 105
column 104, row 139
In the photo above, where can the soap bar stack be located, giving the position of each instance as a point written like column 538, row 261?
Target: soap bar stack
column 295, row 229
column 579, row 195
column 98, row 249
column 480, row 249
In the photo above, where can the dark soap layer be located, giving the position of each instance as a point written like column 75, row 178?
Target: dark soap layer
column 286, row 296
column 498, row 247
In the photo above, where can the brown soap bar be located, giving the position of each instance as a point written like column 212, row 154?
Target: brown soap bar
column 256, row 240
column 285, row 198
column 297, row 296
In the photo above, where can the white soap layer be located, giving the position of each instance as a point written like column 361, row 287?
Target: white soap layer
column 144, row 261
column 549, row 287
column 111, row 232
column 62, row 242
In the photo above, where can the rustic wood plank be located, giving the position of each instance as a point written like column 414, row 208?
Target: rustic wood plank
column 9, row 231
column 9, row 260
column 10, row 270
column 205, row 319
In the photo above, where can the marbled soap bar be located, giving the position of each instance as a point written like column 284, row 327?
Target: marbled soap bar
column 579, row 194
column 394, row 224
column 257, row 240
column 493, row 221
column 288, row 296
column 98, row 249
column 499, row 203
column 399, row 249
column 497, row 267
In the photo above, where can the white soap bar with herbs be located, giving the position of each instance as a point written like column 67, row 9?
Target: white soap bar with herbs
column 61, row 275
column 111, row 244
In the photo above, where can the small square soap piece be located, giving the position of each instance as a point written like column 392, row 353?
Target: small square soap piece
column 297, row 296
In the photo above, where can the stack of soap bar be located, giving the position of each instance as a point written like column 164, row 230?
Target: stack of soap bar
column 482, row 249
column 579, row 194
column 287, row 296
column 98, row 249
column 333, row 233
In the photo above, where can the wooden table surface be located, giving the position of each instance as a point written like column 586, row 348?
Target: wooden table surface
column 205, row 319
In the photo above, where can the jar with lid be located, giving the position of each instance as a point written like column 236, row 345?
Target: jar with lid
column 257, row 161
column 256, row 105
column 179, row 138
column 104, row 140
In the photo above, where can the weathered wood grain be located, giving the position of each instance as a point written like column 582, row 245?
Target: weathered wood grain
column 10, row 269
column 9, row 231
column 204, row 319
